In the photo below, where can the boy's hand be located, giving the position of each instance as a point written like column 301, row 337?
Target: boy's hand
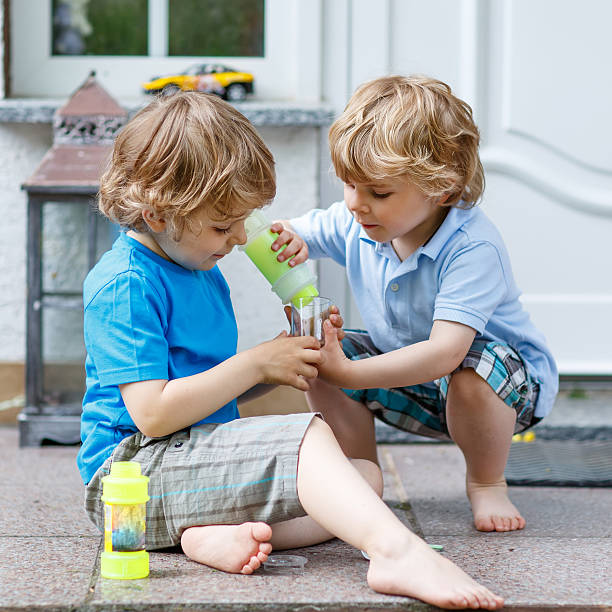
column 295, row 245
column 288, row 360
column 335, row 367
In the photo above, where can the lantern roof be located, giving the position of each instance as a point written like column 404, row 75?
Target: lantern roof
column 91, row 99
column 83, row 133
column 69, row 169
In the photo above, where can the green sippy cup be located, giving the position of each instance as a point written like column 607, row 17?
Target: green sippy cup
column 125, row 495
column 289, row 283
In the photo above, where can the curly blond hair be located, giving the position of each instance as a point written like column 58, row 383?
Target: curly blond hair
column 180, row 153
column 414, row 128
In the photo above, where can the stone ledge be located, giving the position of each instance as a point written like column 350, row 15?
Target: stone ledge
column 260, row 113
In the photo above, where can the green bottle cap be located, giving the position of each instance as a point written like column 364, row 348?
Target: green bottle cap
column 125, row 484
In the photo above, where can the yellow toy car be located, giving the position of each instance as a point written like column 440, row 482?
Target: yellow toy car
column 211, row 78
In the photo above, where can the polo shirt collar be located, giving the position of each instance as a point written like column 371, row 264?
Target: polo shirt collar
column 381, row 248
column 455, row 218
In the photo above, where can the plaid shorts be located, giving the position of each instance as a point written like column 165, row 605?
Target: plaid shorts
column 420, row 409
column 213, row 474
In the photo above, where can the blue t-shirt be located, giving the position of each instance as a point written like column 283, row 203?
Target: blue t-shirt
column 461, row 274
column 146, row 318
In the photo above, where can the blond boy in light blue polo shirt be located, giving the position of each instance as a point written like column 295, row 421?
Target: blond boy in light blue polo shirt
column 449, row 351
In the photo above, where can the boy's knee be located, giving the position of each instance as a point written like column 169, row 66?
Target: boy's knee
column 371, row 473
column 465, row 385
column 319, row 427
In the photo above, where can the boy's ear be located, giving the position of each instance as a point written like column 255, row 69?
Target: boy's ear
column 443, row 199
column 154, row 222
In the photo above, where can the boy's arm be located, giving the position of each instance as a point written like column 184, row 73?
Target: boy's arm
column 418, row 363
column 472, row 286
column 161, row 407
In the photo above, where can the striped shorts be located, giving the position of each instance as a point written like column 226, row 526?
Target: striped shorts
column 213, row 474
column 420, row 409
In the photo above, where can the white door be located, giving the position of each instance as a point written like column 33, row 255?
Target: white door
column 538, row 76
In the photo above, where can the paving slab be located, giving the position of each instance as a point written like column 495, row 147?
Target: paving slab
column 44, row 485
column 433, row 477
column 48, row 573
column 532, row 572
column 563, row 558
column 334, row 577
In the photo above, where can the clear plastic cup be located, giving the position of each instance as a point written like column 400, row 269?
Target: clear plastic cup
column 308, row 315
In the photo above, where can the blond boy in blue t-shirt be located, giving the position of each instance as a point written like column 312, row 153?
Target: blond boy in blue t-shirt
column 449, row 352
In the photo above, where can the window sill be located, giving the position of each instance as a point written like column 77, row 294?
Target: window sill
column 260, row 113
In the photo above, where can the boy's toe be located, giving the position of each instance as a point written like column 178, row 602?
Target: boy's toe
column 515, row 524
column 261, row 532
column 471, row 601
column 484, row 524
column 501, row 523
column 262, row 556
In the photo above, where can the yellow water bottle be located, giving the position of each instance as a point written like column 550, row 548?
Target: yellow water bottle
column 125, row 495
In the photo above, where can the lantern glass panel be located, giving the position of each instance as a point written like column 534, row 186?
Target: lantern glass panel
column 63, row 352
column 65, row 263
column 64, row 247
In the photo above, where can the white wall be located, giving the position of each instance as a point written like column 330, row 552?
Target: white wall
column 22, row 146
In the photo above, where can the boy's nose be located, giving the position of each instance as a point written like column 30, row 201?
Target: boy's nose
column 356, row 202
column 239, row 235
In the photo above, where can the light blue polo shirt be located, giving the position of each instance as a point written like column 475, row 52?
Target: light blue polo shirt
column 461, row 274
column 146, row 318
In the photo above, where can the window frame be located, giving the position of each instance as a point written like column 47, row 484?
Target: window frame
column 289, row 70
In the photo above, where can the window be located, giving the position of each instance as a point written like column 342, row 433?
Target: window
column 56, row 43
column 212, row 28
column 103, row 27
column 216, row 28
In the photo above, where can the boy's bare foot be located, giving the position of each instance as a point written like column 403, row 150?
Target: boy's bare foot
column 416, row 571
column 492, row 508
column 239, row 549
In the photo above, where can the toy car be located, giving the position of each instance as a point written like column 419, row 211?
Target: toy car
column 210, row 78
